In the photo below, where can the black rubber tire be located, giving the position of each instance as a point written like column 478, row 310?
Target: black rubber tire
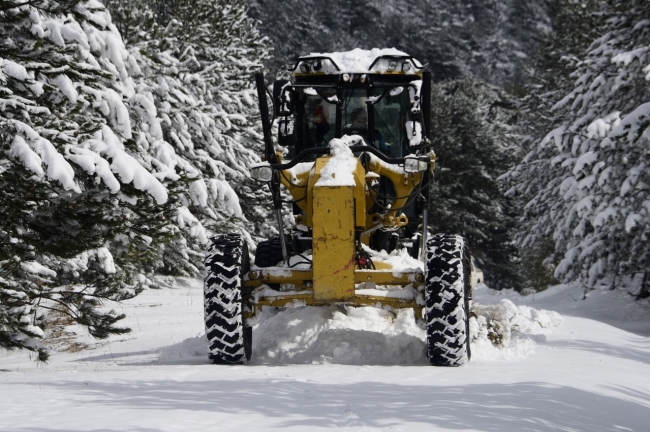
column 268, row 253
column 229, row 339
column 447, row 294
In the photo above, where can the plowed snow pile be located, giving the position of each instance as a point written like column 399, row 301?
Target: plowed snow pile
column 371, row 336
column 338, row 335
column 507, row 331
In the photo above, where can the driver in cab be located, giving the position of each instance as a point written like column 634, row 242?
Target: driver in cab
column 359, row 126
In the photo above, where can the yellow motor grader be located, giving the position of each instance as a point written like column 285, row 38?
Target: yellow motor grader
column 357, row 165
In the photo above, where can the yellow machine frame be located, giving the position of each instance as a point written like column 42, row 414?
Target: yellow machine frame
column 337, row 215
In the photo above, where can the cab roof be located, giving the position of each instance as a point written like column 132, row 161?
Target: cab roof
column 389, row 61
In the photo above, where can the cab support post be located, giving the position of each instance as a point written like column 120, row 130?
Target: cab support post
column 271, row 157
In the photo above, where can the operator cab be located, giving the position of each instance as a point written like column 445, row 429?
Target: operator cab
column 381, row 95
column 374, row 94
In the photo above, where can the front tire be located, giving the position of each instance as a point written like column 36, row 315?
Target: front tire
column 447, row 293
column 226, row 261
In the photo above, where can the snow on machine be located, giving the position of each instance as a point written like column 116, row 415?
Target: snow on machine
column 359, row 160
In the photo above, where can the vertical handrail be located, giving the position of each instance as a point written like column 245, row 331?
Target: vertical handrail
column 271, row 157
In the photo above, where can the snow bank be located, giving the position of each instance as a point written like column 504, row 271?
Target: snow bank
column 342, row 335
column 505, row 331
column 373, row 336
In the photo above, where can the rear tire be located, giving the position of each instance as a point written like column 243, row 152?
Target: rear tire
column 447, row 293
column 226, row 261
column 268, row 253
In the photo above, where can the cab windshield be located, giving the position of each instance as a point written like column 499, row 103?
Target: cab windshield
column 389, row 107
column 391, row 111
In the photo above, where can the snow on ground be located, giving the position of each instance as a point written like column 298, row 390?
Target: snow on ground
column 569, row 364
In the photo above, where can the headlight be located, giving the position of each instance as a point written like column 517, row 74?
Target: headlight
column 414, row 165
column 262, row 172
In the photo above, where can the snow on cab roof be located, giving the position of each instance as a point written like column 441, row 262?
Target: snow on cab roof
column 376, row 60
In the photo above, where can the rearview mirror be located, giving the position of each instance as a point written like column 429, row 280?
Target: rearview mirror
column 283, row 96
column 286, row 136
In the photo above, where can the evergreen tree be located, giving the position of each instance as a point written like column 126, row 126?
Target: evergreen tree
column 83, row 219
column 587, row 175
column 475, row 143
column 573, row 26
column 197, row 60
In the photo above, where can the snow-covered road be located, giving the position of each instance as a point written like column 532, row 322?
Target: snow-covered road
column 587, row 375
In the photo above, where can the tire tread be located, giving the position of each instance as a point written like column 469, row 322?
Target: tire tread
column 447, row 300
column 224, row 324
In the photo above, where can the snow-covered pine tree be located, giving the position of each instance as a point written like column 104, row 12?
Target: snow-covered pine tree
column 573, row 27
column 197, row 60
column 134, row 19
column 83, row 219
column 588, row 175
column 475, row 143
